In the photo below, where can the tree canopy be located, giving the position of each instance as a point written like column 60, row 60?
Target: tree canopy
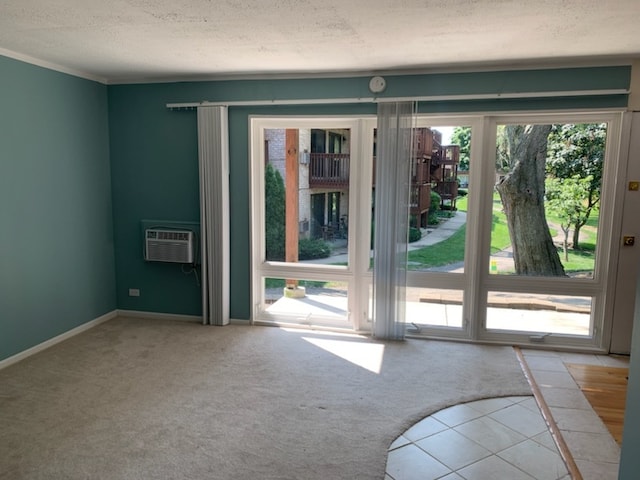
column 461, row 136
column 565, row 199
column 576, row 152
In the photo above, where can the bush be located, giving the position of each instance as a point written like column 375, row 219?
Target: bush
column 310, row 249
column 436, row 201
column 434, row 208
column 414, row 234
column 462, row 192
column 433, row 219
column 274, row 214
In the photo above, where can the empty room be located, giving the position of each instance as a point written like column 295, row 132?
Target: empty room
column 300, row 240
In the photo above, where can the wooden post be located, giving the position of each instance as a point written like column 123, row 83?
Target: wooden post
column 291, row 199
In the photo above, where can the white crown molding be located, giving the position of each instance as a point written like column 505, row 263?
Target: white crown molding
column 551, row 64
column 541, row 64
column 51, row 66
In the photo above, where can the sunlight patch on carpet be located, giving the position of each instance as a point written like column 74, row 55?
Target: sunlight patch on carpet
column 366, row 355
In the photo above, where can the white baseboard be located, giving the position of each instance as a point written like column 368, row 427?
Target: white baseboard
column 97, row 321
column 57, row 339
column 235, row 321
column 160, row 316
column 173, row 316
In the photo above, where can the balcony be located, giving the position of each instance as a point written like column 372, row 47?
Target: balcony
column 419, row 199
column 329, row 170
column 448, row 191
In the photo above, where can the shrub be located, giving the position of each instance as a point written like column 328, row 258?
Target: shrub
column 436, row 200
column 274, row 214
column 414, row 234
column 434, row 208
column 310, row 249
column 433, row 219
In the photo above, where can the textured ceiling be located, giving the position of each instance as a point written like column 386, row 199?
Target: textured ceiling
column 154, row 40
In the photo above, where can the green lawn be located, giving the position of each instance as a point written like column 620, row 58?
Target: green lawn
column 579, row 260
column 500, row 238
column 462, row 202
column 446, row 252
column 451, row 250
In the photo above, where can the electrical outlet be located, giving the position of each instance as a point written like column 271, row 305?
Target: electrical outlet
column 134, row 292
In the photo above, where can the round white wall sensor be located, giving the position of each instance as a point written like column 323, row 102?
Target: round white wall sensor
column 377, row 84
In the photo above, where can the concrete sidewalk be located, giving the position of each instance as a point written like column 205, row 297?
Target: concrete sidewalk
column 446, row 228
column 500, row 262
column 430, row 236
column 501, row 304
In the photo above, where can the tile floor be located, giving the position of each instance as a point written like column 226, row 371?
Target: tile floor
column 593, row 448
column 507, row 438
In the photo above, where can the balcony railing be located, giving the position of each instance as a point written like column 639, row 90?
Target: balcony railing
column 448, row 189
column 329, row 170
column 420, row 198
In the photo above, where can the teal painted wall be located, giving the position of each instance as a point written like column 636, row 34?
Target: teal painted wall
column 56, row 239
column 155, row 160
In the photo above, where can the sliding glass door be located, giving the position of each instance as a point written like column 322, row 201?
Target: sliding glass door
column 550, row 217
column 511, row 221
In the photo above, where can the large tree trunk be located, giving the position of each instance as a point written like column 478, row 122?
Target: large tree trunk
column 522, row 195
column 576, row 236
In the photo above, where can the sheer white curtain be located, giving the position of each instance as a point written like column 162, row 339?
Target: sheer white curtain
column 393, row 170
column 213, row 156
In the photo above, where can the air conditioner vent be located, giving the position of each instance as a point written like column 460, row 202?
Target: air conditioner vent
column 174, row 246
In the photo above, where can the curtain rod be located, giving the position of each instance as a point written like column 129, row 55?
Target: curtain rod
column 433, row 98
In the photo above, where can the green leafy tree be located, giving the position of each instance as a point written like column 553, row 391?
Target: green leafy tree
column 565, row 198
column 274, row 214
column 461, row 136
column 577, row 151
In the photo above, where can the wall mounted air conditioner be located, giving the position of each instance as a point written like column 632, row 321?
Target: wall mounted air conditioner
column 163, row 245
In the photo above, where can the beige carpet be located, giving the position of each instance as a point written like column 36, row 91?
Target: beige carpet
column 154, row 399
